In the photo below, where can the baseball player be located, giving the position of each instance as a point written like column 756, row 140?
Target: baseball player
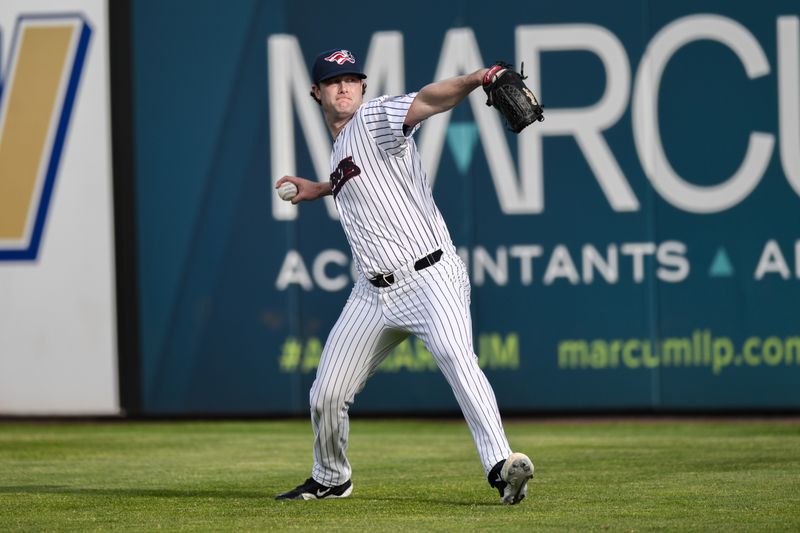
column 410, row 281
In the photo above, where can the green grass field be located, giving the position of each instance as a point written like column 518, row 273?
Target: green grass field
column 408, row 476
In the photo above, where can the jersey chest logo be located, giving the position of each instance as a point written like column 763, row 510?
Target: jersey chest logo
column 344, row 171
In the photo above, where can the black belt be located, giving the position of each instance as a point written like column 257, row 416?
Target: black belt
column 384, row 280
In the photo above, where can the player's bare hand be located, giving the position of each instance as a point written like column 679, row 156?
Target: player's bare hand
column 307, row 190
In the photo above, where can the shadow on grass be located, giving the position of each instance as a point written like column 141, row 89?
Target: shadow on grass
column 265, row 495
column 142, row 493
column 414, row 499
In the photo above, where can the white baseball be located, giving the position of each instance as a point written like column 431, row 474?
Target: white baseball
column 287, row 191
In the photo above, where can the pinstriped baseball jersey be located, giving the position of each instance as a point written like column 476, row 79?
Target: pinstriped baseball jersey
column 385, row 203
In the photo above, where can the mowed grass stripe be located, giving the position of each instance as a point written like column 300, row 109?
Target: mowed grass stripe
column 408, row 476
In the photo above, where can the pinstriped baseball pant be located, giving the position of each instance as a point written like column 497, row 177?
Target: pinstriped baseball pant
column 432, row 304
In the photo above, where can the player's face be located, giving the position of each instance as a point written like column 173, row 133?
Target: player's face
column 341, row 95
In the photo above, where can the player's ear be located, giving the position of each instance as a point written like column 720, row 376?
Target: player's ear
column 315, row 94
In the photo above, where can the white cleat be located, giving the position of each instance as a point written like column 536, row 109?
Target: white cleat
column 516, row 472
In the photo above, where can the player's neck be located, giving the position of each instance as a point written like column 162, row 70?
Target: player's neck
column 337, row 124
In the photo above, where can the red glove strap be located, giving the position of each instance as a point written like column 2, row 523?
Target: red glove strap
column 488, row 78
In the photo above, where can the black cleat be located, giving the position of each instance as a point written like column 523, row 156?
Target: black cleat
column 311, row 490
column 510, row 478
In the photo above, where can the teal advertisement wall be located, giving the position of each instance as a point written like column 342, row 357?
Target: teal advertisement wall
column 640, row 249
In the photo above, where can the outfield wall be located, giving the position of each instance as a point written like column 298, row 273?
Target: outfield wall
column 58, row 338
column 640, row 249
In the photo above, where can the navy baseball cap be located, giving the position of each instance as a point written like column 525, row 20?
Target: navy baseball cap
column 332, row 63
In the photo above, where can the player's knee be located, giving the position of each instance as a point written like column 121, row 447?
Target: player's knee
column 322, row 401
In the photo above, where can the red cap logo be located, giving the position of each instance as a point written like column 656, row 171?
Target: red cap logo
column 340, row 57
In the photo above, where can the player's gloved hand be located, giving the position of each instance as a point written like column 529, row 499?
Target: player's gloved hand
column 506, row 92
column 491, row 75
